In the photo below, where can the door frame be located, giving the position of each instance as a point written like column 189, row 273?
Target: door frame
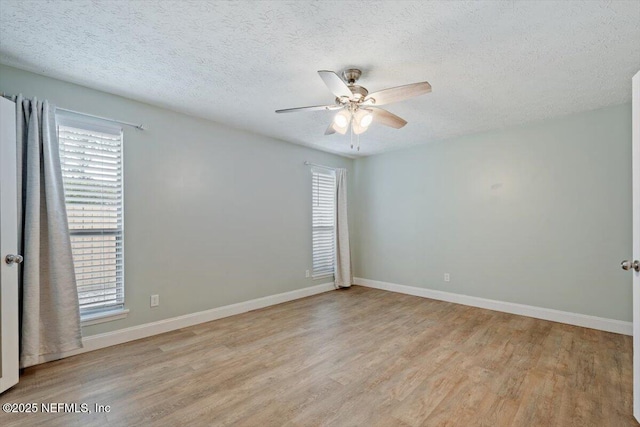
column 635, row 159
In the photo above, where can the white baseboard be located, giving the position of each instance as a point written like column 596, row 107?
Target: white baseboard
column 95, row 342
column 593, row 322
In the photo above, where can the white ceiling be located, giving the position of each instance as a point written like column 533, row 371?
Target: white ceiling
column 491, row 63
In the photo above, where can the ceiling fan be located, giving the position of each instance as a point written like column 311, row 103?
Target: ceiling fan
column 359, row 108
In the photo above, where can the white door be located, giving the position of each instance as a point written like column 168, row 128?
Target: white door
column 634, row 265
column 8, row 247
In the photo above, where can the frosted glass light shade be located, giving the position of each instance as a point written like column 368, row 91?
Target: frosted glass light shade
column 366, row 120
column 362, row 120
column 342, row 119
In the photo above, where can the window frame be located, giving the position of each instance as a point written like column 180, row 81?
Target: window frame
column 79, row 121
column 327, row 172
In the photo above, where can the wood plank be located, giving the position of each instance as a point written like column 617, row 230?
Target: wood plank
column 361, row 357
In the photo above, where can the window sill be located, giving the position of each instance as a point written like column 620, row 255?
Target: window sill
column 105, row 316
column 322, row 276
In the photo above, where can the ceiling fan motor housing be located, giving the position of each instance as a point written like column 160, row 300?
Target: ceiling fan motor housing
column 358, row 92
column 351, row 75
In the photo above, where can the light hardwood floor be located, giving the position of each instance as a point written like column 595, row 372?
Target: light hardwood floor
column 358, row 357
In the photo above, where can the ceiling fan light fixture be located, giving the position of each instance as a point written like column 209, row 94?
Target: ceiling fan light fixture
column 341, row 131
column 353, row 101
column 366, row 119
column 362, row 120
column 357, row 129
column 342, row 119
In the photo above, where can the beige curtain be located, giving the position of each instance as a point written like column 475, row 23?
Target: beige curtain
column 342, row 272
column 50, row 318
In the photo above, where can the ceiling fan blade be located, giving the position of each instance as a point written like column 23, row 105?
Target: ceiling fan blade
column 400, row 93
column 312, row 108
column 330, row 130
column 336, row 85
column 333, row 128
column 386, row 118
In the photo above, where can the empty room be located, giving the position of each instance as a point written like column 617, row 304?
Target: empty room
column 319, row 213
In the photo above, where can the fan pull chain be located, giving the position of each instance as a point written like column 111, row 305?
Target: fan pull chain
column 351, row 129
column 358, row 142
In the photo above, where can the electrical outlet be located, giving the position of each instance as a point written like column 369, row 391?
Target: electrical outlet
column 306, row 273
column 447, row 277
column 155, row 300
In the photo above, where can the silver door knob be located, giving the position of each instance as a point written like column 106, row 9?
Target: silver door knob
column 628, row 265
column 10, row 259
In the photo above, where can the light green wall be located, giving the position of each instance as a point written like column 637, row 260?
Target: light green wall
column 213, row 215
column 538, row 215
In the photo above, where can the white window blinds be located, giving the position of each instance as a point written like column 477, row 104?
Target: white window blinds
column 91, row 159
column 323, row 221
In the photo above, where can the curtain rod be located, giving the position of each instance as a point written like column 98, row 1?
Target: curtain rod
column 137, row 126
column 318, row 166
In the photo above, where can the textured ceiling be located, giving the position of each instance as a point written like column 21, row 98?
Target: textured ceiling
column 491, row 64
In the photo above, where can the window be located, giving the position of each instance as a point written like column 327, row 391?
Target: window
column 91, row 160
column 323, row 221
